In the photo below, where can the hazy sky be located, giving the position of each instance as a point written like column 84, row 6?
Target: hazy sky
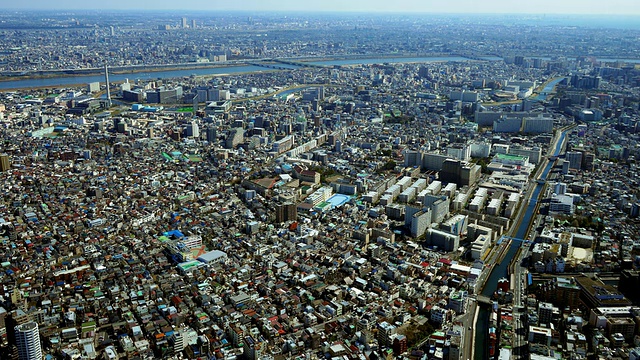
column 626, row 7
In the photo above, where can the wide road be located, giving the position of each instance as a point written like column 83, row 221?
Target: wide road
column 466, row 321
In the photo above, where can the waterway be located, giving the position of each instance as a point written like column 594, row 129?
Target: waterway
column 500, row 269
column 151, row 75
column 73, row 80
column 286, row 93
column 548, row 89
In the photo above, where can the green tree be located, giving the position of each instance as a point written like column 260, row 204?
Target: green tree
column 388, row 166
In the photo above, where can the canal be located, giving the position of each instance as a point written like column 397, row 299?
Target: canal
column 500, row 269
column 542, row 96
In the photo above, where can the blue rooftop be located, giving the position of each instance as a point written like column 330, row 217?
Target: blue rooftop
column 176, row 233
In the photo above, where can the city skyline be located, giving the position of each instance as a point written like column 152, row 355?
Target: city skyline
column 613, row 7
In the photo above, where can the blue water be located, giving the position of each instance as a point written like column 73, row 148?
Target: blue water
column 338, row 200
column 85, row 79
column 500, row 270
column 285, row 93
column 74, row 80
column 547, row 89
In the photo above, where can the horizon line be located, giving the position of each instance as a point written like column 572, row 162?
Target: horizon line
column 316, row 11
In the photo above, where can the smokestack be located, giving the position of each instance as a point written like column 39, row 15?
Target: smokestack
column 106, row 80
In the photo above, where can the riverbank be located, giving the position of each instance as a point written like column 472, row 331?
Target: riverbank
column 135, row 69
column 83, row 80
column 55, row 74
column 529, row 205
column 371, row 56
column 206, row 70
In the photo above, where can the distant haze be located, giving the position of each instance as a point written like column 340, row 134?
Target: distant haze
column 608, row 7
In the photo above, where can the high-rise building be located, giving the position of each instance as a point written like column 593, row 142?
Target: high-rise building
column 5, row 163
column 211, row 134
column 546, row 312
column 184, row 22
column 460, row 172
column 629, row 280
column 423, row 72
column 193, row 23
column 399, row 345
column 193, row 130
column 587, row 161
column 412, row 158
column 575, row 159
column 28, row 341
column 537, row 125
column 386, row 334
column 286, row 212
column 507, row 125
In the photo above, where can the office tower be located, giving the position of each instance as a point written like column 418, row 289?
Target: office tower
column 423, row 72
column 5, row 164
column 28, row 341
column 193, row 130
column 184, row 22
column 575, row 159
column 211, row 134
column 113, row 30
column 193, row 23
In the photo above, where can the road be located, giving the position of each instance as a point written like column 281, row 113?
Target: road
column 466, row 320
column 470, row 317
column 520, row 272
column 519, row 339
column 492, row 257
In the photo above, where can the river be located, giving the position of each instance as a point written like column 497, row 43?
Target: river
column 547, row 89
column 151, row 75
column 500, row 269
